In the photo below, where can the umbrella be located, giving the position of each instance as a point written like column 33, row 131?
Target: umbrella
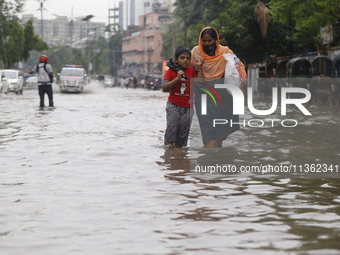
column 175, row 67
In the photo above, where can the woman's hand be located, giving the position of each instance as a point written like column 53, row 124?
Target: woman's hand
column 198, row 66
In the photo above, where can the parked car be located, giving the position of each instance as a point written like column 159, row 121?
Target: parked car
column 3, row 84
column 14, row 79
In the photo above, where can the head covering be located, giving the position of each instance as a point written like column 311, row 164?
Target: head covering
column 214, row 66
column 43, row 58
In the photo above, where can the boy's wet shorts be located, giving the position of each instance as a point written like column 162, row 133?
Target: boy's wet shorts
column 178, row 124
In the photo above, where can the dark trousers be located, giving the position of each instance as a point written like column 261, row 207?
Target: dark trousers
column 48, row 90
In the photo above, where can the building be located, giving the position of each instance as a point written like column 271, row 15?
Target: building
column 137, row 8
column 121, row 15
column 61, row 31
column 132, row 12
column 142, row 49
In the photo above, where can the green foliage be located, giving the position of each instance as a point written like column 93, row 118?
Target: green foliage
column 8, row 21
column 13, row 45
column 16, row 42
column 305, row 18
column 32, row 41
column 58, row 57
column 193, row 35
column 187, row 13
column 107, row 54
column 167, row 51
column 115, row 53
column 294, row 26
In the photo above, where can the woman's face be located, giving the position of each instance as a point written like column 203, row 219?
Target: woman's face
column 207, row 40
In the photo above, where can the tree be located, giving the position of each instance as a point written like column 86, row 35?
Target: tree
column 262, row 17
column 32, row 41
column 187, row 13
column 304, row 18
column 8, row 11
column 13, row 45
column 115, row 53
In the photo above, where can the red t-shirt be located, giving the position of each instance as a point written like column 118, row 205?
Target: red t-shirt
column 180, row 94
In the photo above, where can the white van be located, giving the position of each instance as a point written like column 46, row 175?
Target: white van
column 14, row 79
column 3, row 84
column 72, row 78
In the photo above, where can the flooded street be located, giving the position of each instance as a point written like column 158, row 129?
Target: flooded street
column 92, row 176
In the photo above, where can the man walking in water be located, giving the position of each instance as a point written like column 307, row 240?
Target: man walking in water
column 45, row 78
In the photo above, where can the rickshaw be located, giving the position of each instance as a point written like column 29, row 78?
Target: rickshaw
column 299, row 73
column 267, row 79
column 281, row 71
column 335, row 86
column 322, row 79
column 336, row 66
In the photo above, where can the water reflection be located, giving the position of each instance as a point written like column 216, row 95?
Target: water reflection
column 263, row 213
column 292, row 215
column 92, row 177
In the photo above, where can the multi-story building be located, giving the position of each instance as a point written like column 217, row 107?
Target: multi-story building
column 142, row 49
column 61, row 31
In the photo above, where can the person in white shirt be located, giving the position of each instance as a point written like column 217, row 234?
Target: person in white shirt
column 126, row 81
column 122, row 82
column 45, row 78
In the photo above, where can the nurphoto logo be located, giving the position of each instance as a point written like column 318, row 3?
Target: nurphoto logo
column 238, row 104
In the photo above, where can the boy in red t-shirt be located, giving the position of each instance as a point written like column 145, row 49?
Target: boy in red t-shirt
column 179, row 103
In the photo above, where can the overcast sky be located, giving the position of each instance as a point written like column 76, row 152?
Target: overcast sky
column 98, row 8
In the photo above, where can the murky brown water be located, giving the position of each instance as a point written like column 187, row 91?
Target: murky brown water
column 92, row 177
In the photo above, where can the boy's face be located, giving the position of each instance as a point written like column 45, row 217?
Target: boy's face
column 183, row 60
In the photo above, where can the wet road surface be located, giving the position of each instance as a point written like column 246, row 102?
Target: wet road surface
column 91, row 176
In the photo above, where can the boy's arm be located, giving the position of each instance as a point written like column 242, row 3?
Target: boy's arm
column 167, row 85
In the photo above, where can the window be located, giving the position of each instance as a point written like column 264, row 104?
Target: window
column 150, row 38
column 127, row 41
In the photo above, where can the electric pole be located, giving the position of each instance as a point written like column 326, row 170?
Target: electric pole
column 71, row 32
column 42, row 19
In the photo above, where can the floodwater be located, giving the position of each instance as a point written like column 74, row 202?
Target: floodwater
column 91, row 176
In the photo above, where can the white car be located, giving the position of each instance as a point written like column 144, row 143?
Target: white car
column 73, row 78
column 3, row 84
column 14, row 79
column 108, row 81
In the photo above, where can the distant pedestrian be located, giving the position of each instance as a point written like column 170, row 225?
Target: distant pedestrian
column 142, row 83
column 122, row 82
column 127, row 80
column 45, row 78
column 135, row 82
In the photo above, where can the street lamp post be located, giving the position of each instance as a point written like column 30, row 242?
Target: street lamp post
column 42, row 19
column 71, row 31
column 71, row 25
column 94, row 61
column 87, row 18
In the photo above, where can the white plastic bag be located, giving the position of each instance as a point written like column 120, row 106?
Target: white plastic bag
column 232, row 70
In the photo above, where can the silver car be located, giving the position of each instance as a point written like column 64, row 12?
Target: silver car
column 14, row 79
column 33, row 80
